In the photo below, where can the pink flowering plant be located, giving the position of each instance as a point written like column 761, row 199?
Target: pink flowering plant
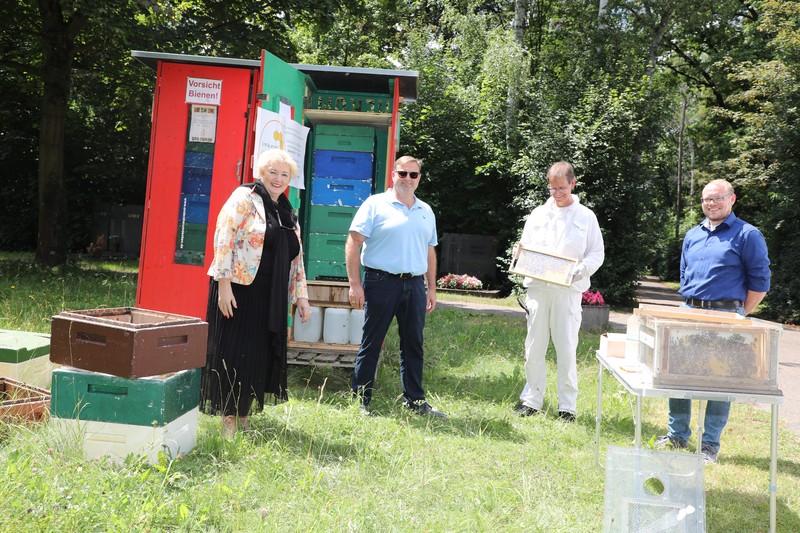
column 592, row 298
column 455, row 281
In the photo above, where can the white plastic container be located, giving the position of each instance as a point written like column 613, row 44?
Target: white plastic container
column 632, row 340
column 356, row 325
column 336, row 326
column 310, row 331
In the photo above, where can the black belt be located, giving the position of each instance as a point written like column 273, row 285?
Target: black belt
column 404, row 275
column 714, row 304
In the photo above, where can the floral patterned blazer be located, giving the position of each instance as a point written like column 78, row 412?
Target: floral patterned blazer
column 239, row 241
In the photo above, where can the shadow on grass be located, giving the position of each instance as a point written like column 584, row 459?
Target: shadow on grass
column 785, row 466
column 756, row 516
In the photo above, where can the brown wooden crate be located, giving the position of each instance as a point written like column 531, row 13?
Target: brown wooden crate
column 128, row 342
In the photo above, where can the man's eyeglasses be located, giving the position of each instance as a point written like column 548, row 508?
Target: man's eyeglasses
column 554, row 190
column 715, row 199
column 407, row 174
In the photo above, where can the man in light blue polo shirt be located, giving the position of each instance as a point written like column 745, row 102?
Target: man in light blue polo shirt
column 724, row 267
column 395, row 233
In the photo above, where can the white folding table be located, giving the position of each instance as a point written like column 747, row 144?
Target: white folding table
column 638, row 384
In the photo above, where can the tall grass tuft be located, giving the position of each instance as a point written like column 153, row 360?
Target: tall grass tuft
column 30, row 294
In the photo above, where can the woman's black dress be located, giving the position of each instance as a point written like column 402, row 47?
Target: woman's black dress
column 247, row 353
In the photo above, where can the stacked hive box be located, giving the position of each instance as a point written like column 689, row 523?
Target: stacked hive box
column 132, row 384
column 23, row 357
column 195, row 199
column 342, row 174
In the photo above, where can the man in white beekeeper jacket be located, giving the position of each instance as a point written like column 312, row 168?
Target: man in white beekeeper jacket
column 562, row 226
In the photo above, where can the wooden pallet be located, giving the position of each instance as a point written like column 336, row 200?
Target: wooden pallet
column 320, row 353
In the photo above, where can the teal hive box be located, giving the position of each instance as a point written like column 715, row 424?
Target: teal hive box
column 151, row 401
column 331, row 219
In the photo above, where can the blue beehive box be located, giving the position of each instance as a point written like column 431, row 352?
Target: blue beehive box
column 339, row 164
column 196, row 180
column 194, row 208
column 199, row 160
column 340, row 191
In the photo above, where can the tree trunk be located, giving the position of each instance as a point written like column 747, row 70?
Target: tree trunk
column 512, row 102
column 58, row 47
column 655, row 41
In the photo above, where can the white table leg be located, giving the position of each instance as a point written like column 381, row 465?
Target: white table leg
column 637, row 439
column 702, row 405
column 598, row 415
column 773, row 471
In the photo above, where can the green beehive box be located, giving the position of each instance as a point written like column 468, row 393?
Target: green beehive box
column 152, row 401
column 344, row 131
column 326, row 247
column 192, row 237
column 326, row 270
column 382, row 140
column 331, row 219
column 189, row 257
column 20, row 346
column 344, row 143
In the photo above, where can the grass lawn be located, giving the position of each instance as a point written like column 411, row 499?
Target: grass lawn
column 315, row 464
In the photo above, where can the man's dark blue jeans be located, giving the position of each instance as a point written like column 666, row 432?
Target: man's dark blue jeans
column 387, row 296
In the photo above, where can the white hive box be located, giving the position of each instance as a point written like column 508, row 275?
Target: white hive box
column 613, row 344
column 23, row 357
column 117, row 441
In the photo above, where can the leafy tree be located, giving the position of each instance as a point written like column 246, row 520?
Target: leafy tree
column 92, row 116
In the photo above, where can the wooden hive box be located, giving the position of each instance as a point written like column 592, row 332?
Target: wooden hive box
column 20, row 401
column 710, row 353
column 128, row 342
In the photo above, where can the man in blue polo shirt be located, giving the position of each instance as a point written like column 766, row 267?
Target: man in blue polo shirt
column 724, row 267
column 395, row 233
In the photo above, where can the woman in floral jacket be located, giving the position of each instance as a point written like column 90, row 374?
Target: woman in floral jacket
column 257, row 270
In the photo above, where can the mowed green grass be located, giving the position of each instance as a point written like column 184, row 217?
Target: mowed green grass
column 315, row 464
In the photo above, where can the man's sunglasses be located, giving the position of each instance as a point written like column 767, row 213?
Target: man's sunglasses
column 407, row 174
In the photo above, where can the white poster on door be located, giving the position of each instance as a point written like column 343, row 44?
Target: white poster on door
column 277, row 131
column 203, row 127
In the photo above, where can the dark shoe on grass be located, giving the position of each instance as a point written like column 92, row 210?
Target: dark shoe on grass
column 524, row 410
column 567, row 416
column 421, row 407
column 709, row 454
column 675, row 443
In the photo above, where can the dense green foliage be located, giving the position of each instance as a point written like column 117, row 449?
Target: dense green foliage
column 620, row 88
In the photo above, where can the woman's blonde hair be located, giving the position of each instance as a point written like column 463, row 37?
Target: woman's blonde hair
column 275, row 155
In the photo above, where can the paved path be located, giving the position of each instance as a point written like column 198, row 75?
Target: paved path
column 652, row 291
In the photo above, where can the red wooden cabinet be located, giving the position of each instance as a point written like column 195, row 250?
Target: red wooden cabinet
column 188, row 182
